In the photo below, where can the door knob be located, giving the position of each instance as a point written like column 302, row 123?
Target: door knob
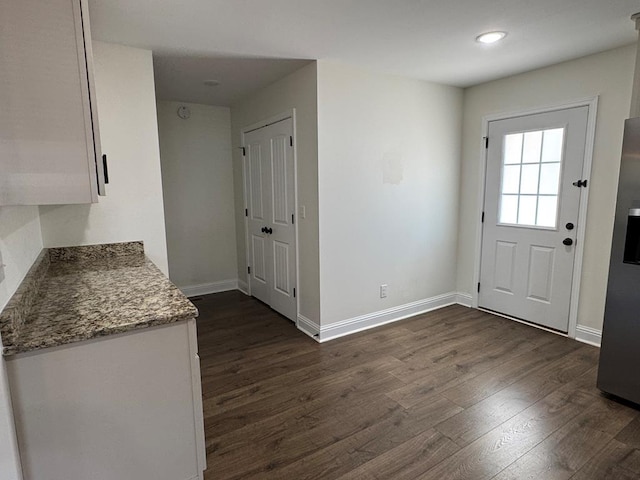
column 268, row 230
column 569, row 226
column 263, row 229
column 567, row 241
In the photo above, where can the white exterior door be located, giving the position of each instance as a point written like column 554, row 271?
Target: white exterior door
column 531, row 215
column 270, row 183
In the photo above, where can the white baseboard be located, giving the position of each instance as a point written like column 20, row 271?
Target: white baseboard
column 464, row 299
column 588, row 335
column 206, row 288
column 375, row 319
column 309, row 327
column 349, row 326
column 243, row 287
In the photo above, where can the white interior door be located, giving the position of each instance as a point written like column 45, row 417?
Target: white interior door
column 257, row 166
column 531, row 215
column 269, row 166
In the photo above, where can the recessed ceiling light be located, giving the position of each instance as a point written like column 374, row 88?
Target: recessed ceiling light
column 491, row 37
column 211, row 83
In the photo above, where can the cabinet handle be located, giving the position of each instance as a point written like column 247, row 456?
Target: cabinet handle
column 105, row 168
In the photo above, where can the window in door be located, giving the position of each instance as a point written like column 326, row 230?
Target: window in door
column 531, row 177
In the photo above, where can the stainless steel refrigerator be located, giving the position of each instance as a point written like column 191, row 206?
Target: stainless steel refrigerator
column 619, row 371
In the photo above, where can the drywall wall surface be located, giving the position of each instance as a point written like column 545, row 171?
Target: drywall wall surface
column 297, row 90
column 197, row 182
column 608, row 75
column 132, row 209
column 388, row 161
column 20, row 244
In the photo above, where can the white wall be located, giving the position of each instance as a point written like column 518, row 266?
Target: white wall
column 299, row 91
column 20, row 244
column 197, row 182
column 132, row 209
column 608, row 75
column 389, row 157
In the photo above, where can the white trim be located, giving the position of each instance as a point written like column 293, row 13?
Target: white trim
column 268, row 121
column 582, row 218
column 196, row 392
column 245, row 194
column 243, row 287
column 309, row 327
column 382, row 317
column 592, row 104
column 482, row 178
column 464, row 299
column 588, row 335
column 580, row 102
column 207, row 288
column 295, row 205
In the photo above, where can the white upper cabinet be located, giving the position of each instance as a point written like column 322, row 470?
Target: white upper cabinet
column 49, row 138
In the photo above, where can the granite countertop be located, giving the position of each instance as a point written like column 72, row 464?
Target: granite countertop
column 79, row 293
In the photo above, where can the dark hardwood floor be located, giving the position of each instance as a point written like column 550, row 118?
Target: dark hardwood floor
column 451, row 394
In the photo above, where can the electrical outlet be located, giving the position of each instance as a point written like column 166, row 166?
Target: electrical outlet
column 383, row 291
column 302, row 211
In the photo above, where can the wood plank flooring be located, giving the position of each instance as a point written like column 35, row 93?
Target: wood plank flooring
column 451, row 394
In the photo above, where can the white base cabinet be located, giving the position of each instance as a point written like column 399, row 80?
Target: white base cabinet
column 122, row 407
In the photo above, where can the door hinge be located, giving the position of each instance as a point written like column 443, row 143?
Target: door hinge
column 294, row 292
column 246, row 212
column 478, row 287
column 249, row 271
column 482, row 219
column 486, row 142
column 293, row 220
column 290, row 141
column 244, row 151
column 580, row 183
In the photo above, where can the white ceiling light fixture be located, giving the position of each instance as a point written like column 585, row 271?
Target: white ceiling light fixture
column 490, row 37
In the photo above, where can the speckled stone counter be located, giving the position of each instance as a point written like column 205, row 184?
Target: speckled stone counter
column 79, row 293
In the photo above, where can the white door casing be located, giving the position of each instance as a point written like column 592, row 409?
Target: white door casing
column 270, row 183
column 532, row 161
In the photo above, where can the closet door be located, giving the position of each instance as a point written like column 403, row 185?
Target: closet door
column 269, row 165
column 257, row 168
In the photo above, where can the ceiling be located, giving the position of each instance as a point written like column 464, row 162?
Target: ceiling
column 182, row 77
column 247, row 44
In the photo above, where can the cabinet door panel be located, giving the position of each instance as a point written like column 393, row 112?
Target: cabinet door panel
column 46, row 134
column 120, row 407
